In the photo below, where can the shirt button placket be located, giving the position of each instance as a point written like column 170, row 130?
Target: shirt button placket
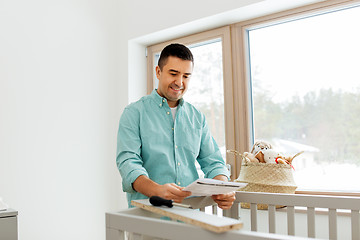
column 176, row 158
column 177, row 162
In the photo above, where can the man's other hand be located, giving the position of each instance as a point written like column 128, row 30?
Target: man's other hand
column 224, row 201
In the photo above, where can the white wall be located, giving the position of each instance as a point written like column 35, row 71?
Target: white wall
column 60, row 102
column 67, row 70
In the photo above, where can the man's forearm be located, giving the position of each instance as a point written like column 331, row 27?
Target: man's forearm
column 146, row 186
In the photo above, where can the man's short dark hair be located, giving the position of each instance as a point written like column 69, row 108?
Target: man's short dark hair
column 175, row 50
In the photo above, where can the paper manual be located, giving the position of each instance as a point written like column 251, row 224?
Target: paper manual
column 208, row 187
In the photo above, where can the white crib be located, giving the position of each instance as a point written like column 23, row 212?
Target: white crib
column 141, row 222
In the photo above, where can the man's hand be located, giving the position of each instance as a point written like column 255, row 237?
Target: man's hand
column 169, row 191
column 224, row 201
column 173, row 192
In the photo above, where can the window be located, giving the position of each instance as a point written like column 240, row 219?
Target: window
column 305, row 92
column 291, row 78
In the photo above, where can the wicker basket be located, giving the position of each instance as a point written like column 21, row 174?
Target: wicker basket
column 266, row 177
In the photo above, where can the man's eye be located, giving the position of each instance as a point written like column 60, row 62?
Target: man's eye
column 186, row 76
column 173, row 74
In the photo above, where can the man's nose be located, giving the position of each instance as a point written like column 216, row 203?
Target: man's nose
column 179, row 81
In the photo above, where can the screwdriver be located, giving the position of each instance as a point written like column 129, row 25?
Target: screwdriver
column 159, row 201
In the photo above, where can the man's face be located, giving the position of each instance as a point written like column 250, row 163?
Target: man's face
column 174, row 79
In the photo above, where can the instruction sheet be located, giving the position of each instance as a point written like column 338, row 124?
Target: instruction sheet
column 208, row 187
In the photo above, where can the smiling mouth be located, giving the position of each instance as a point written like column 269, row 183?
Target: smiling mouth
column 176, row 88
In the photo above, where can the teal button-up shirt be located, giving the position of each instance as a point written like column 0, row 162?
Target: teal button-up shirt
column 151, row 143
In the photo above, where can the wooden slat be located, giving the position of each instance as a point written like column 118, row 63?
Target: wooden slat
column 214, row 210
column 332, row 224
column 272, row 220
column 291, row 220
column 191, row 216
column 115, row 234
column 235, row 211
column 227, row 213
column 355, row 224
column 311, row 222
column 253, row 209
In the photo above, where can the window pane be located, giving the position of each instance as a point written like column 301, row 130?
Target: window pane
column 306, row 91
column 206, row 91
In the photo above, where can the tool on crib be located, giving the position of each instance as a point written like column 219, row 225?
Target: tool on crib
column 159, row 201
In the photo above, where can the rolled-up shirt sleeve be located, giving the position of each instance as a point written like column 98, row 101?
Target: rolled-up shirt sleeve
column 209, row 158
column 128, row 159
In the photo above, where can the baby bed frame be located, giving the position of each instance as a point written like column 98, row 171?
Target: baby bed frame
column 142, row 222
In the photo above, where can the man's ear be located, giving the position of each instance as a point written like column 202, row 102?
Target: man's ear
column 158, row 72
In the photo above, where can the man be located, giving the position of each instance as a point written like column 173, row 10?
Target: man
column 161, row 136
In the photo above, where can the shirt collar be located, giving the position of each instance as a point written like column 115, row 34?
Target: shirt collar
column 161, row 100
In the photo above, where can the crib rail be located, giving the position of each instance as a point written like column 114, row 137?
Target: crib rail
column 142, row 224
column 310, row 202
